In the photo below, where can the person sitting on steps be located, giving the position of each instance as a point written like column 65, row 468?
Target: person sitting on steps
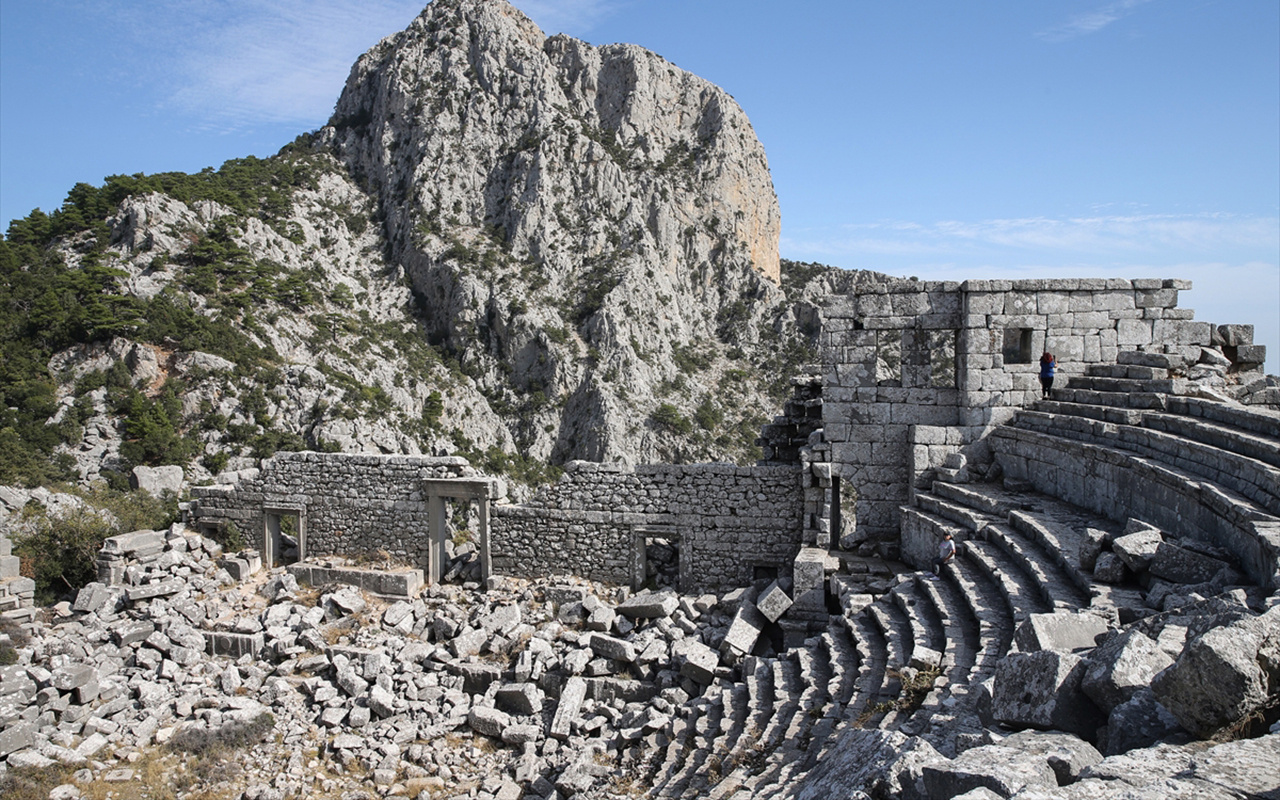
column 946, row 552
column 1048, row 365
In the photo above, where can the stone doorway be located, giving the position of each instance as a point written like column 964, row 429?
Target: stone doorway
column 656, row 559
column 284, row 536
column 466, row 490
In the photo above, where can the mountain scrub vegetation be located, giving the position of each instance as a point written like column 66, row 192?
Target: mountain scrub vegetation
column 557, row 283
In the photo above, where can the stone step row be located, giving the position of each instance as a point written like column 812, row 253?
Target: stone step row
column 698, row 747
column 1243, row 441
column 805, row 728
column 1254, row 479
column 1139, row 372
column 1120, row 484
column 1056, row 529
column 1127, row 385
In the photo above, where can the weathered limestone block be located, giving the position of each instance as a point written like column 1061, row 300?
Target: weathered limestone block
column 1003, row 770
column 1066, row 755
column 1063, row 631
column 1109, row 569
column 572, row 694
column 91, row 598
column 488, row 721
column 1091, row 546
column 135, row 544
column 700, row 662
column 611, row 647
column 1180, row 565
column 520, row 698
column 745, row 629
column 1042, row 690
column 1223, row 674
column 1121, row 666
column 649, row 605
column 889, row 762
column 1137, row 549
column 773, row 602
column 1138, row 722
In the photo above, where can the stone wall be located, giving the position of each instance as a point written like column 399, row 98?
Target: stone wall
column 348, row 504
column 915, row 370
column 727, row 521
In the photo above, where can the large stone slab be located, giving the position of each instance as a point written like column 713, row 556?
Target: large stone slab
column 1122, row 665
column 700, row 662
column 649, row 605
column 1180, row 565
column 745, row 629
column 1139, row 722
column 488, row 721
column 773, row 602
column 520, row 698
column 1064, row 631
column 1223, row 674
column 1003, row 770
column 1137, row 549
column 1042, row 690
column 572, row 694
column 1067, row 755
column 611, row 647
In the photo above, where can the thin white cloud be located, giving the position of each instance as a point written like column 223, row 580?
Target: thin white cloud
column 241, row 63
column 1120, row 236
column 1090, row 22
column 278, row 61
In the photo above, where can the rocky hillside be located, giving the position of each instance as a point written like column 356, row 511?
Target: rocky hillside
column 519, row 248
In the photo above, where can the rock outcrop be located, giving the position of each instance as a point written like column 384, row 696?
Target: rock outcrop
column 549, row 198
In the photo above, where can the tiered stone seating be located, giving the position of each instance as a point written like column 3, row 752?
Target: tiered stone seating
column 1120, row 441
column 808, row 725
column 699, row 746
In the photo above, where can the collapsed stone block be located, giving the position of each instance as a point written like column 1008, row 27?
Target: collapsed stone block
column 488, row 721
column 700, row 662
column 773, row 602
column 743, row 632
column 1003, row 770
column 1140, row 721
column 1109, row 569
column 610, row 647
column 520, row 698
column 649, row 605
column 572, row 694
column 1180, row 565
column 1137, row 549
column 1121, row 666
column 1066, row 755
column 1222, row 675
column 1042, row 690
column 1061, row 630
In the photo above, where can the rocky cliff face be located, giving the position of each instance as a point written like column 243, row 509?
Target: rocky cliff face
column 522, row 248
column 551, row 200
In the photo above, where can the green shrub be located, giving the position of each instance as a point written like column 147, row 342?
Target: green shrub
column 668, row 417
column 60, row 552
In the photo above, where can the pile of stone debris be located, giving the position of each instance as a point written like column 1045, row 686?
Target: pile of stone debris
column 388, row 698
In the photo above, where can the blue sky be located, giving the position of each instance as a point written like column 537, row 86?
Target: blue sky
column 939, row 139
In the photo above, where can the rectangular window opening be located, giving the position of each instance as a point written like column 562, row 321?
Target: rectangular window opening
column 1017, row 345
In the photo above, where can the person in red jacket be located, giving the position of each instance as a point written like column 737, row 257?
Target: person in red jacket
column 1048, row 365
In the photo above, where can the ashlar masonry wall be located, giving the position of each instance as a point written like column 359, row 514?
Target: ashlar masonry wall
column 916, row 370
column 346, row 504
column 726, row 520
